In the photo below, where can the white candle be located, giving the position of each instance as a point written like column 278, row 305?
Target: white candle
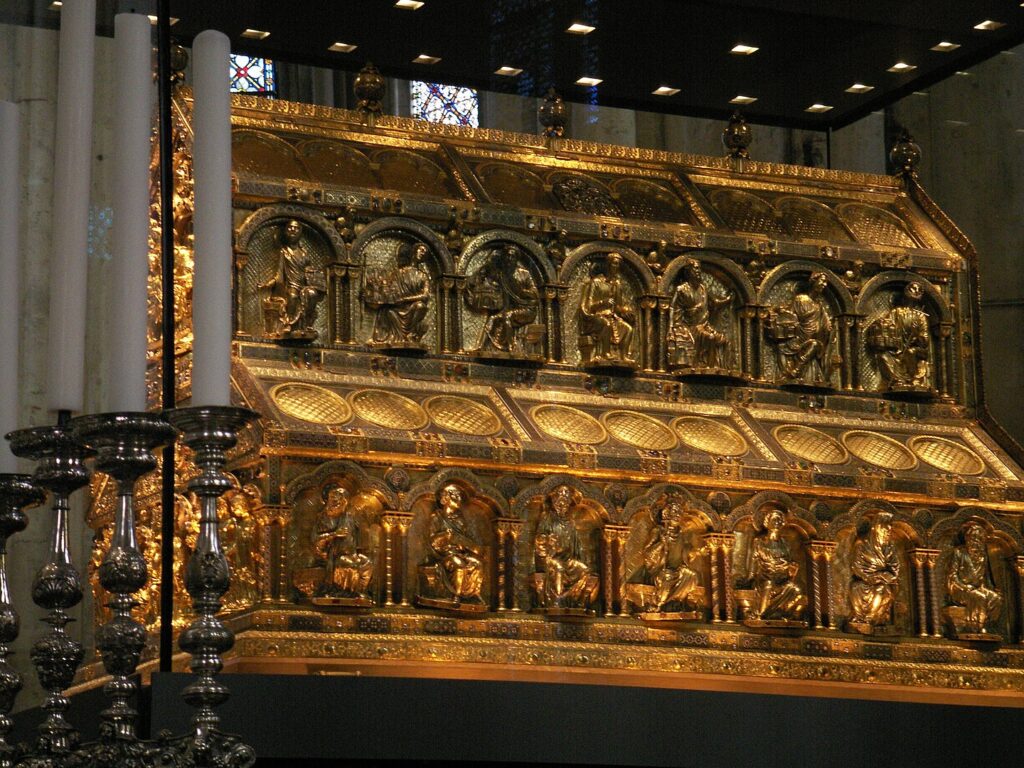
column 132, row 126
column 71, row 180
column 10, row 252
column 211, row 163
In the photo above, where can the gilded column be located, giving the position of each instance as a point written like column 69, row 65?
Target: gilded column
column 403, row 520
column 622, row 536
column 818, row 598
column 1018, row 563
column 828, row 551
column 724, row 543
column 608, row 536
column 515, row 529
column 849, row 364
column 448, row 317
column 501, row 530
column 713, row 545
column 933, row 598
column 664, row 323
column 920, row 559
column 549, row 324
column 747, row 340
column 950, row 380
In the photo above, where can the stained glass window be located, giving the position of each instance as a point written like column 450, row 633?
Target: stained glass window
column 253, row 75
column 448, row 104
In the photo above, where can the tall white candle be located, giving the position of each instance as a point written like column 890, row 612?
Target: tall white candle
column 71, row 180
column 211, row 163
column 10, row 252
column 132, row 127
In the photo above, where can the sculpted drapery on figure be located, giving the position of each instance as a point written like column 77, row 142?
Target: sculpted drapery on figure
column 291, row 296
column 778, row 596
column 607, row 317
column 804, row 335
column 336, row 543
column 901, row 342
column 565, row 580
column 973, row 600
column 693, row 339
column 504, row 289
column 400, row 298
column 666, row 583
column 875, row 576
column 453, row 572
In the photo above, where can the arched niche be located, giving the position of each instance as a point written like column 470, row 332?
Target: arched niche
column 589, row 513
column 664, row 557
column 334, row 162
column 369, row 498
column 705, row 329
column 894, row 330
column 995, row 573
column 401, row 299
column 504, row 310
column 263, row 154
column 746, row 522
column 481, row 505
column 805, row 336
column 852, row 531
column 597, row 341
column 267, row 261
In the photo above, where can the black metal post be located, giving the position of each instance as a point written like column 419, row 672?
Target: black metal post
column 167, row 324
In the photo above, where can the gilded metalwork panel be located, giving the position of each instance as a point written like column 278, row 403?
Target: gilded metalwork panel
column 639, row 430
column 408, row 171
column 709, row 436
column 875, row 226
column 746, row 212
column 513, row 185
column 308, row 402
column 388, row 409
column 583, row 194
column 880, row 450
column 460, row 414
column 810, row 444
column 647, row 200
column 947, row 455
column 334, row 162
column 811, row 220
column 264, row 154
column 569, row 425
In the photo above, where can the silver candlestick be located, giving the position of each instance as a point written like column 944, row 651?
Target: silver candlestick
column 124, row 445
column 16, row 494
column 210, row 431
column 57, row 586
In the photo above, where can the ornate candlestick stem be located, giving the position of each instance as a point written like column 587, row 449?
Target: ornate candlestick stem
column 16, row 493
column 124, row 444
column 57, row 586
column 210, row 431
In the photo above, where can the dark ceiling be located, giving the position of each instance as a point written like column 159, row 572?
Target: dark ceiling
column 810, row 51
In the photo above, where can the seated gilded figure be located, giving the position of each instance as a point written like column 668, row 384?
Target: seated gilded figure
column 900, row 340
column 973, row 601
column 778, row 598
column 505, row 291
column 804, row 335
column 290, row 297
column 400, row 299
column 452, row 575
column 874, row 577
column 347, row 569
column 665, row 586
column 564, row 583
column 693, row 339
column 607, row 317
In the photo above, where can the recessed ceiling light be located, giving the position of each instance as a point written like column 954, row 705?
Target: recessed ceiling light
column 154, row 20
column 860, row 88
column 589, row 81
column 424, row 59
column 919, row 93
column 409, row 5
column 1019, row 130
column 945, row 47
column 988, row 25
column 957, row 123
column 580, row 29
column 508, row 71
column 741, row 99
column 664, row 90
column 342, row 47
column 901, row 66
column 961, row 73
column 255, row 34
column 55, row 5
column 744, row 50
column 818, row 108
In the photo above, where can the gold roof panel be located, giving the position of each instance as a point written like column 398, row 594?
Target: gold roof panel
column 880, row 450
column 639, row 430
column 946, row 455
column 810, row 444
column 388, row 409
column 309, row 402
column 460, row 414
column 709, row 436
column 568, row 424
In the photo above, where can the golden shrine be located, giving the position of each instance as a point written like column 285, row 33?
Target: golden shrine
column 534, row 405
